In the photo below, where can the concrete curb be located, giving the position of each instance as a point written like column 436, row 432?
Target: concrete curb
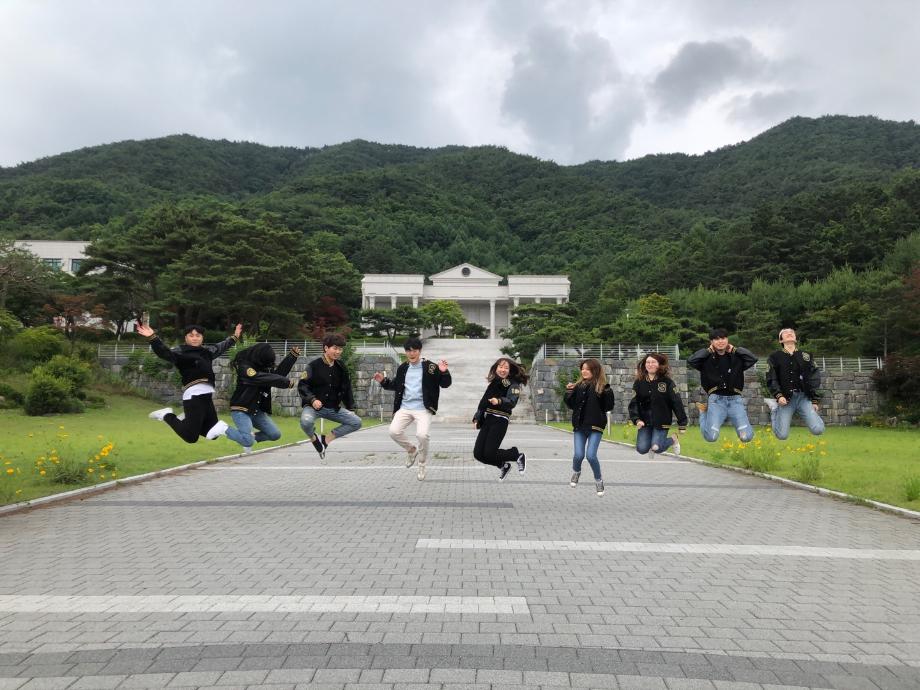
column 86, row 491
column 821, row 491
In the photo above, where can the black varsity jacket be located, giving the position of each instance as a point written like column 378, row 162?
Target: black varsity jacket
column 195, row 364
column 329, row 384
column 656, row 402
column 506, row 391
column 722, row 374
column 796, row 372
column 433, row 380
column 253, row 388
column 589, row 409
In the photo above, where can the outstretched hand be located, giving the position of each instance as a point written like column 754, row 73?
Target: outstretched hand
column 442, row 365
column 378, row 376
column 144, row 330
column 238, row 331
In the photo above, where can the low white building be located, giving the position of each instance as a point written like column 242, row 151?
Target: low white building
column 481, row 294
column 61, row 255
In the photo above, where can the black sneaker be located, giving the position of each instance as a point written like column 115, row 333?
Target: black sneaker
column 521, row 463
column 320, row 447
column 506, row 468
column 599, row 486
column 574, row 482
column 325, row 443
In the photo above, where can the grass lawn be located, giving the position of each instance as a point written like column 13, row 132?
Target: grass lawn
column 878, row 464
column 139, row 445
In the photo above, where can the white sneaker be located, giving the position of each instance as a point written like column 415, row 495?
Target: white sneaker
column 421, row 473
column 652, row 451
column 675, row 447
column 411, row 455
column 247, row 449
column 159, row 415
column 772, row 404
column 217, row 430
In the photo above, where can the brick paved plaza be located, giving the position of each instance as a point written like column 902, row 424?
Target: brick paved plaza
column 279, row 570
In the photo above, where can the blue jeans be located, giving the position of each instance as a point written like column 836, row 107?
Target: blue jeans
column 348, row 420
column 647, row 437
column 246, row 421
column 781, row 417
column 586, row 444
column 722, row 407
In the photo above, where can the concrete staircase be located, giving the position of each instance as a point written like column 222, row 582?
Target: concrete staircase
column 469, row 362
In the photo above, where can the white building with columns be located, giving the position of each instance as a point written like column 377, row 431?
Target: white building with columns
column 481, row 294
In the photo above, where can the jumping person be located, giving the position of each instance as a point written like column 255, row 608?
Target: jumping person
column 590, row 400
column 325, row 391
column 793, row 380
column 194, row 360
column 722, row 368
column 505, row 379
column 654, row 404
column 418, row 383
column 251, row 402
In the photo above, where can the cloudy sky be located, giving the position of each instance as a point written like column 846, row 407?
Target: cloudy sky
column 567, row 81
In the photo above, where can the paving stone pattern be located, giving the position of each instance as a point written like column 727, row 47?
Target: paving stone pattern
column 280, row 570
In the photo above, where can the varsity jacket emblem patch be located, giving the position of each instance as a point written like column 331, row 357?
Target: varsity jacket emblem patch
column 506, row 383
column 662, row 387
column 806, row 356
column 250, row 372
column 431, row 368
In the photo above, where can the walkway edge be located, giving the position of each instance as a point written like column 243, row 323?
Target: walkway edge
column 108, row 486
column 820, row 490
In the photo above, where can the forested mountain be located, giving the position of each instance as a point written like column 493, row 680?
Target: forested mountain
column 802, row 154
column 791, row 206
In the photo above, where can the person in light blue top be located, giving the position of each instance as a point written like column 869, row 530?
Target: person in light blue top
column 418, row 383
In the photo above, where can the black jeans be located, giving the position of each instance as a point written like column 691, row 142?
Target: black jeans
column 200, row 416
column 491, row 433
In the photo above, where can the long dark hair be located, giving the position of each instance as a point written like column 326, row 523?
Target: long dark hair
column 664, row 368
column 260, row 356
column 598, row 377
column 516, row 371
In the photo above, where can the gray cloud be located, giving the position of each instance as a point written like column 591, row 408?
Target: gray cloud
column 570, row 96
column 767, row 108
column 609, row 79
column 699, row 70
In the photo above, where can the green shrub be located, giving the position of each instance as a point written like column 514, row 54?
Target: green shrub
column 899, row 383
column 48, row 394
column 9, row 397
column 808, row 469
column 912, row 487
column 76, row 373
column 148, row 364
column 9, row 325
column 37, row 345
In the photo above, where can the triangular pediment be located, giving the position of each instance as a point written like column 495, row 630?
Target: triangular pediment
column 466, row 273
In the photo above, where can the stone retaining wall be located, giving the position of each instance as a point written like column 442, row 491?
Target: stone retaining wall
column 370, row 398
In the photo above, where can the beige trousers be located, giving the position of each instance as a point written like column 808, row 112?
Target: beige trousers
column 401, row 421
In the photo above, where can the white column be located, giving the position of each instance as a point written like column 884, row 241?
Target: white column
column 537, row 300
column 370, row 302
column 492, row 318
column 392, row 301
column 558, row 300
column 415, row 301
column 517, row 301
